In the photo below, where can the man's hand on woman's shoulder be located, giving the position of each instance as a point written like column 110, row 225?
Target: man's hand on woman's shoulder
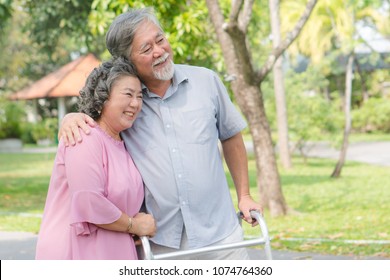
column 69, row 128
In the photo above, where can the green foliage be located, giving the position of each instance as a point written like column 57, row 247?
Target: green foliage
column 373, row 116
column 311, row 116
column 26, row 136
column 5, row 13
column 46, row 129
column 11, row 116
column 377, row 81
column 52, row 21
column 259, row 33
column 22, row 61
column 185, row 23
column 332, row 26
column 191, row 40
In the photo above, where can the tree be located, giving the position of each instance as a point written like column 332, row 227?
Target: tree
column 347, row 111
column 281, row 108
column 55, row 24
column 246, row 85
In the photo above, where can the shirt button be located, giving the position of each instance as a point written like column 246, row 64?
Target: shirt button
column 179, row 175
column 173, row 150
column 168, row 125
column 183, row 203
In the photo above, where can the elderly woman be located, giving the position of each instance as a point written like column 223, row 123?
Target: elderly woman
column 95, row 192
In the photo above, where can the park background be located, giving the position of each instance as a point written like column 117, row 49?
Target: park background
column 318, row 72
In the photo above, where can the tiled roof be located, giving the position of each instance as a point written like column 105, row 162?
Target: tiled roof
column 66, row 81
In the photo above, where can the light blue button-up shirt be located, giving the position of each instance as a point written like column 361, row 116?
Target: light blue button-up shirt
column 174, row 144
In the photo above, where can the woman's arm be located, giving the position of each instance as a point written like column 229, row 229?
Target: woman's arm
column 141, row 224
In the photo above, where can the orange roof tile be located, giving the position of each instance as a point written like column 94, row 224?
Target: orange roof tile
column 66, row 81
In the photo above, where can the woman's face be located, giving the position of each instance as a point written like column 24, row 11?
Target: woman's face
column 123, row 105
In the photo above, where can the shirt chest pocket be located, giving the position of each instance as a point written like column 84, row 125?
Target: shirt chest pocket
column 199, row 126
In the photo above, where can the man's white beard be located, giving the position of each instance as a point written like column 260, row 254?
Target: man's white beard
column 165, row 73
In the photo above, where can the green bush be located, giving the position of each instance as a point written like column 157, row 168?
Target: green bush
column 46, row 129
column 311, row 117
column 26, row 136
column 12, row 116
column 373, row 116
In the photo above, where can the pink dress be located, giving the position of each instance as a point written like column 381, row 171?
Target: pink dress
column 92, row 183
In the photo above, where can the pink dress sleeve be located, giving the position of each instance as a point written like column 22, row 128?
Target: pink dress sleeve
column 86, row 170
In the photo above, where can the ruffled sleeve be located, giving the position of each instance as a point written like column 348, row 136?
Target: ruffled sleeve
column 86, row 170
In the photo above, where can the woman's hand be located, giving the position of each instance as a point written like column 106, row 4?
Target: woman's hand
column 70, row 124
column 144, row 225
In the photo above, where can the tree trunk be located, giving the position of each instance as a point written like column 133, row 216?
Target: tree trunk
column 327, row 94
column 280, row 96
column 268, row 180
column 347, row 111
column 249, row 98
column 365, row 95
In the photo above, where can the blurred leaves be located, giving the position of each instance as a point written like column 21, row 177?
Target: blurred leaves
column 5, row 13
column 11, row 117
column 51, row 21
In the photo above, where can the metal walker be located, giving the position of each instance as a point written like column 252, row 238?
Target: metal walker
column 146, row 253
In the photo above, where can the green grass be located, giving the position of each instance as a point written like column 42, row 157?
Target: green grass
column 327, row 214
column 369, row 137
column 353, row 138
column 24, row 179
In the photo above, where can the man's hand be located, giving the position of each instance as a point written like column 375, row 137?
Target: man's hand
column 247, row 204
column 69, row 129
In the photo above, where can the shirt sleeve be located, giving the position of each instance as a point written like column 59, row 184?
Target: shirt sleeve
column 229, row 119
column 86, row 171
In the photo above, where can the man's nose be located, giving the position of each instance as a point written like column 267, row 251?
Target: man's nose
column 158, row 51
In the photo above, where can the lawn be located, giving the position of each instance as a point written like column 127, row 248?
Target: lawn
column 24, row 179
column 349, row 215
column 344, row 216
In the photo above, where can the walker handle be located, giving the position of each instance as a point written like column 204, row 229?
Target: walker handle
column 147, row 254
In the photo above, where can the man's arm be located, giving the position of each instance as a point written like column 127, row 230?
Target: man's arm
column 236, row 159
column 69, row 129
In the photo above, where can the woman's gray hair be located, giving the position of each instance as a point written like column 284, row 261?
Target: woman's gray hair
column 99, row 84
column 120, row 35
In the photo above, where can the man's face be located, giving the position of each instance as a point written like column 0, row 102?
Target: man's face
column 152, row 54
